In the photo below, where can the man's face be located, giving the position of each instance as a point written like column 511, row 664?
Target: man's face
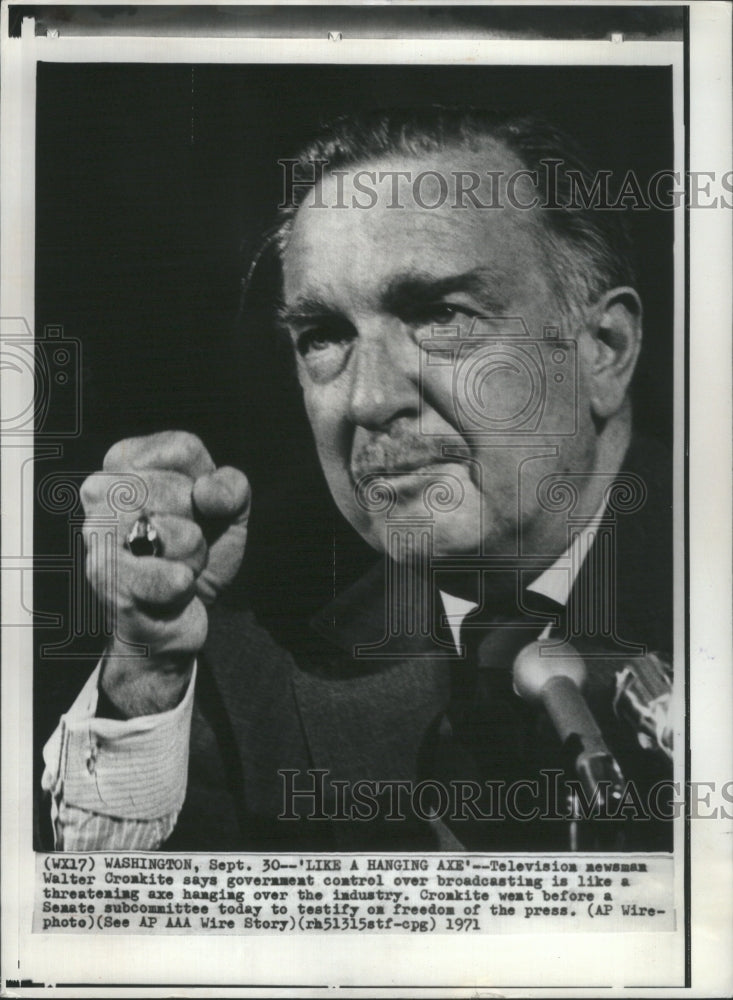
column 408, row 324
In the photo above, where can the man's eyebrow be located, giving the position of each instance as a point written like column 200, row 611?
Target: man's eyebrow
column 304, row 308
column 404, row 291
column 415, row 287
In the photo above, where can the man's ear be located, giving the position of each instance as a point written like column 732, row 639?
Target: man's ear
column 613, row 344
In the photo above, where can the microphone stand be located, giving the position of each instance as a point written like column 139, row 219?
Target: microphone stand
column 553, row 677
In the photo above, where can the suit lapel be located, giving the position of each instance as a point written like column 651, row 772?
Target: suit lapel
column 359, row 729
column 353, row 712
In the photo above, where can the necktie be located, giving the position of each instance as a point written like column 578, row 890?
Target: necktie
column 487, row 733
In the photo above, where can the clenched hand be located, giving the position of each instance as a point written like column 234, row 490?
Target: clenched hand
column 160, row 602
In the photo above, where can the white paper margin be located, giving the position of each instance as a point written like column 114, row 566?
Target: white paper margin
column 560, row 960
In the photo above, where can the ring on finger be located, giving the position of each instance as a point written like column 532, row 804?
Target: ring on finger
column 143, row 539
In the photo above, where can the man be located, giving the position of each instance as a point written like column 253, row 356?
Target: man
column 465, row 341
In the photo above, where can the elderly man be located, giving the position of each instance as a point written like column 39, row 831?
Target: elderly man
column 465, row 337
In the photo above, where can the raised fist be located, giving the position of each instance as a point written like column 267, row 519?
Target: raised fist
column 199, row 514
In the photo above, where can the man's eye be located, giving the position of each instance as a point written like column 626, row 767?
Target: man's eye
column 318, row 339
column 441, row 313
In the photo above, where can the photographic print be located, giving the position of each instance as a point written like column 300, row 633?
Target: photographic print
column 348, row 457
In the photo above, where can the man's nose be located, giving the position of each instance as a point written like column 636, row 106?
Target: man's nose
column 384, row 378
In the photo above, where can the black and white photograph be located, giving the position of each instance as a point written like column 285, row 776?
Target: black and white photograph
column 475, row 475
column 350, row 495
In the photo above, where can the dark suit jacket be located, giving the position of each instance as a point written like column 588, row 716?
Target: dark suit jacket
column 261, row 709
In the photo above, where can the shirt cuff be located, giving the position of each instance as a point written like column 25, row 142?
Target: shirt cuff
column 131, row 769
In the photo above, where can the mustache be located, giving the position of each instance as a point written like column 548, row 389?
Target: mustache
column 402, row 450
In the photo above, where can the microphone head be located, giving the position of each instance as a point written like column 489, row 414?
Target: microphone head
column 644, row 700
column 541, row 660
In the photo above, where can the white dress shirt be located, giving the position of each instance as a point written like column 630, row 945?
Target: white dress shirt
column 116, row 784
column 120, row 785
column 555, row 582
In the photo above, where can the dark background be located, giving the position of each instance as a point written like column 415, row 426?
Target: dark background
column 154, row 184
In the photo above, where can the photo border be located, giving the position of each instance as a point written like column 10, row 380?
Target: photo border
column 18, row 84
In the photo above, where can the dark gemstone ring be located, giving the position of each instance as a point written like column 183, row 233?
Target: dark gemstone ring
column 142, row 539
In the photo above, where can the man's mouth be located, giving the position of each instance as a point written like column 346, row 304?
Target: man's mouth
column 403, row 465
column 421, row 464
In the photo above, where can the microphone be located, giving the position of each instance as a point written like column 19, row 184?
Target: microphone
column 554, row 680
column 644, row 700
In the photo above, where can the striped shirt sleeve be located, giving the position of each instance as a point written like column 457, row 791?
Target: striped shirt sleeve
column 116, row 785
